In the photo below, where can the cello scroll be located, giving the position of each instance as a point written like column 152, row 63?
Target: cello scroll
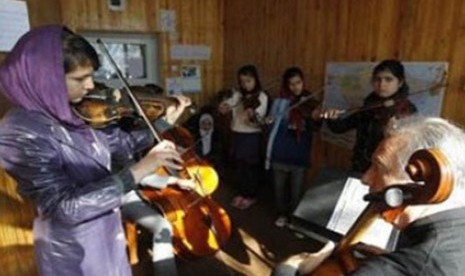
column 429, row 167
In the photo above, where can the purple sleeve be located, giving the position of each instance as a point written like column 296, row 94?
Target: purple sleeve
column 37, row 166
column 124, row 145
column 127, row 143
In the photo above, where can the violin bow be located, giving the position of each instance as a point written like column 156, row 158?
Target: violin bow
column 303, row 100
column 133, row 98
column 433, row 89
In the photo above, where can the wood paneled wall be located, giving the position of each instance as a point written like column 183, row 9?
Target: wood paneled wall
column 275, row 34
column 198, row 22
column 16, row 244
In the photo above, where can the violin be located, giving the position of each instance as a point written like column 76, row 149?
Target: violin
column 250, row 100
column 104, row 105
column 428, row 166
column 200, row 226
column 302, row 106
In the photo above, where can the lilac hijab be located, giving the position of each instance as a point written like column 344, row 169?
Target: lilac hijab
column 33, row 76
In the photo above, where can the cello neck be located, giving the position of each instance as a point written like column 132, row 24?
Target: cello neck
column 355, row 234
column 361, row 226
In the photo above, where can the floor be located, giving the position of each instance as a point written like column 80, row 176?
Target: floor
column 255, row 246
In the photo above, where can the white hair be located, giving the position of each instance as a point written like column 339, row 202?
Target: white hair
column 431, row 132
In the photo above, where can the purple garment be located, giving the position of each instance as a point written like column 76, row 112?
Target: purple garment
column 33, row 75
column 43, row 146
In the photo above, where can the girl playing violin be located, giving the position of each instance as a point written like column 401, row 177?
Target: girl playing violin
column 62, row 164
column 290, row 142
column 246, row 104
column 389, row 86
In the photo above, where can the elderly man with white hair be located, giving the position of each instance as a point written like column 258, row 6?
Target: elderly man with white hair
column 432, row 239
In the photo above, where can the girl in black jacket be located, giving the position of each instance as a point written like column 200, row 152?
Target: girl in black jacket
column 389, row 99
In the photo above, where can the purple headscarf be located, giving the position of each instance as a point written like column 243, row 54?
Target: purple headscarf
column 33, row 76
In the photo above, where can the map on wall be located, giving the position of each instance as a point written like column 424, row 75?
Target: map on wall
column 348, row 83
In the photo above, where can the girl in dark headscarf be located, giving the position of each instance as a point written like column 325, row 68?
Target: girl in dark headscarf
column 290, row 142
column 62, row 164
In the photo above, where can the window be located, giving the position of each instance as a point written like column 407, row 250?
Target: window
column 134, row 54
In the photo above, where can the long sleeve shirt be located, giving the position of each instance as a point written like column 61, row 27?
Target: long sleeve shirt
column 240, row 120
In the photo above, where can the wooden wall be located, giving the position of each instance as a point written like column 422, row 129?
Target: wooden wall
column 198, row 22
column 275, row 34
column 16, row 243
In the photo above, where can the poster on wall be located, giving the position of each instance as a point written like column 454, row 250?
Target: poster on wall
column 348, row 83
column 173, row 85
column 14, row 22
column 193, row 52
column 191, row 78
column 167, row 21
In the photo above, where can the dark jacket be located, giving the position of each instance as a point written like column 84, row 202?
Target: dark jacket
column 287, row 145
column 370, row 124
column 434, row 245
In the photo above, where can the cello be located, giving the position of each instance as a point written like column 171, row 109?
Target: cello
column 200, row 226
column 428, row 166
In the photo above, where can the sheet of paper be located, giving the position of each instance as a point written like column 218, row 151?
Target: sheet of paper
column 191, row 78
column 167, row 20
column 192, row 52
column 349, row 207
column 14, row 22
column 173, row 85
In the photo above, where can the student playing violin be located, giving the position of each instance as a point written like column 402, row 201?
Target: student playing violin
column 62, row 164
column 290, row 142
column 389, row 86
column 247, row 104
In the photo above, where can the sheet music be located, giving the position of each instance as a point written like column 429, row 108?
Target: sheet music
column 349, row 207
column 14, row 22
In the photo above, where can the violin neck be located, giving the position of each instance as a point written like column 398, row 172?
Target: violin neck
column 131, row 95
